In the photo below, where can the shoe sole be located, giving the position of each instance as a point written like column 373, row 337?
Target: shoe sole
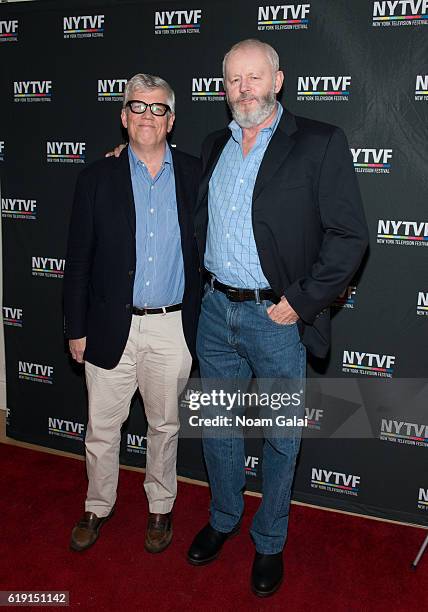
column 206, row 561
column 77, row 548
column 148, row 548
column 266, row 593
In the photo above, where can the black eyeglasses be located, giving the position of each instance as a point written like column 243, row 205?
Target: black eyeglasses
column 156, row 108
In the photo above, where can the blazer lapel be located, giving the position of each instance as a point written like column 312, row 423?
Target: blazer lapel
column 123, row 185
column 216, row 150
column 277, row 151
column 180, row 190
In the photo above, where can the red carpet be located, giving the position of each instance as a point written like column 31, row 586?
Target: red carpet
column 333, row 562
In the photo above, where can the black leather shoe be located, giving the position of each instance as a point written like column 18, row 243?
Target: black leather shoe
column 267, row 574
column 208, row 543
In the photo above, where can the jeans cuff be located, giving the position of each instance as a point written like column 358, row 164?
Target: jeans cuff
column 268, row 551
column 223, row 530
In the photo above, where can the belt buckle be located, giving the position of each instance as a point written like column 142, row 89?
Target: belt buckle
column 233, row 294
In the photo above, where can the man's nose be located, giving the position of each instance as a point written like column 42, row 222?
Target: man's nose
column 244, row 85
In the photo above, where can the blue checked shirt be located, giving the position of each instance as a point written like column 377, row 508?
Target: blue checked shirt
column 159, row 274
column 231, row 253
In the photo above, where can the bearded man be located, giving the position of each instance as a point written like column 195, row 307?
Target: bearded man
column 281, row 232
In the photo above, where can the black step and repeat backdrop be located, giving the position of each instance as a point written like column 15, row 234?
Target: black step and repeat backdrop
column 360, row 64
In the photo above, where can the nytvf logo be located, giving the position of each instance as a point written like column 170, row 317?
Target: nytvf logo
column 178, row 22
column 400, row 12
column 409, row 233
column 421, row 87
column 283, row 17
column 32, row 91
column 328, row 480
column 18, row 208
column 111, row 90
column 347, row 298
column 35, row 372
column 84, row 26
column 9, row 31
column 136, row 444
column 50, row 267
column 251, row 464
column 314, row 417
column 207, row 89
column 422, row 305
column 369, row 364
column 323, row 88
column 372, row 161
column 423, row 499
column 65, row 152
column 404, row 432
column 1, row 150
column 66, row 429
column 12, row 317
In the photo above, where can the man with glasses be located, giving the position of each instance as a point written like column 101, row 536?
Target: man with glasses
column 131, row 300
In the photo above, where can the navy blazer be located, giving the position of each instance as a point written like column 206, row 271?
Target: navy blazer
column 308, row 220
column 101, row 256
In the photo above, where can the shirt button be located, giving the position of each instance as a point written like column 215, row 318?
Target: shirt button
column 145, row 305
column 152, row 187
column 151, row 234
column 152, row 210
column 147, row 283
column 150, row 258
column 227, row 235
column 241, row 181
column 233, row 207
column 228, row 264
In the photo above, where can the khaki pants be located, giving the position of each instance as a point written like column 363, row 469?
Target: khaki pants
column 157, row 361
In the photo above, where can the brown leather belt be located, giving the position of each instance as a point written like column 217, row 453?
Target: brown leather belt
column 146, row 311
column 236, row 294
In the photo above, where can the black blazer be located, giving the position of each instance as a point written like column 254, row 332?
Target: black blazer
column 101, row 256
column 307, row 215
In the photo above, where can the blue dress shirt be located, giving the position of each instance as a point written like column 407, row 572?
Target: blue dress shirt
column 231, row 253
column 159, row 274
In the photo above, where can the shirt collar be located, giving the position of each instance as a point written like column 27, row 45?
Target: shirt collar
column 134, row 161
column 269, row 130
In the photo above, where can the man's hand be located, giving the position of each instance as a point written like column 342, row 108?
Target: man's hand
column 116, row 151
column 282, row 313
column 77, row 348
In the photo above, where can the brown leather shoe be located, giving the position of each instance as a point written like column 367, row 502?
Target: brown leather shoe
column 159, row 532
column 86, row 531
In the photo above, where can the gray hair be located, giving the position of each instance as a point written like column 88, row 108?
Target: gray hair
column 146, row 82
column 270, row 52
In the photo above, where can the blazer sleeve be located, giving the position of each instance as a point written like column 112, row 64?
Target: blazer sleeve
column 78, row 261
column 345, row 233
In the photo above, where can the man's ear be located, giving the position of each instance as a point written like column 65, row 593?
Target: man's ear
column 171, row 120
column 279, row 80
column 124, row 118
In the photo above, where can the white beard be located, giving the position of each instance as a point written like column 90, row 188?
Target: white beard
column 253, row 118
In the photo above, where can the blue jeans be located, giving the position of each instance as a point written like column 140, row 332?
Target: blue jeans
column 236, row 340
